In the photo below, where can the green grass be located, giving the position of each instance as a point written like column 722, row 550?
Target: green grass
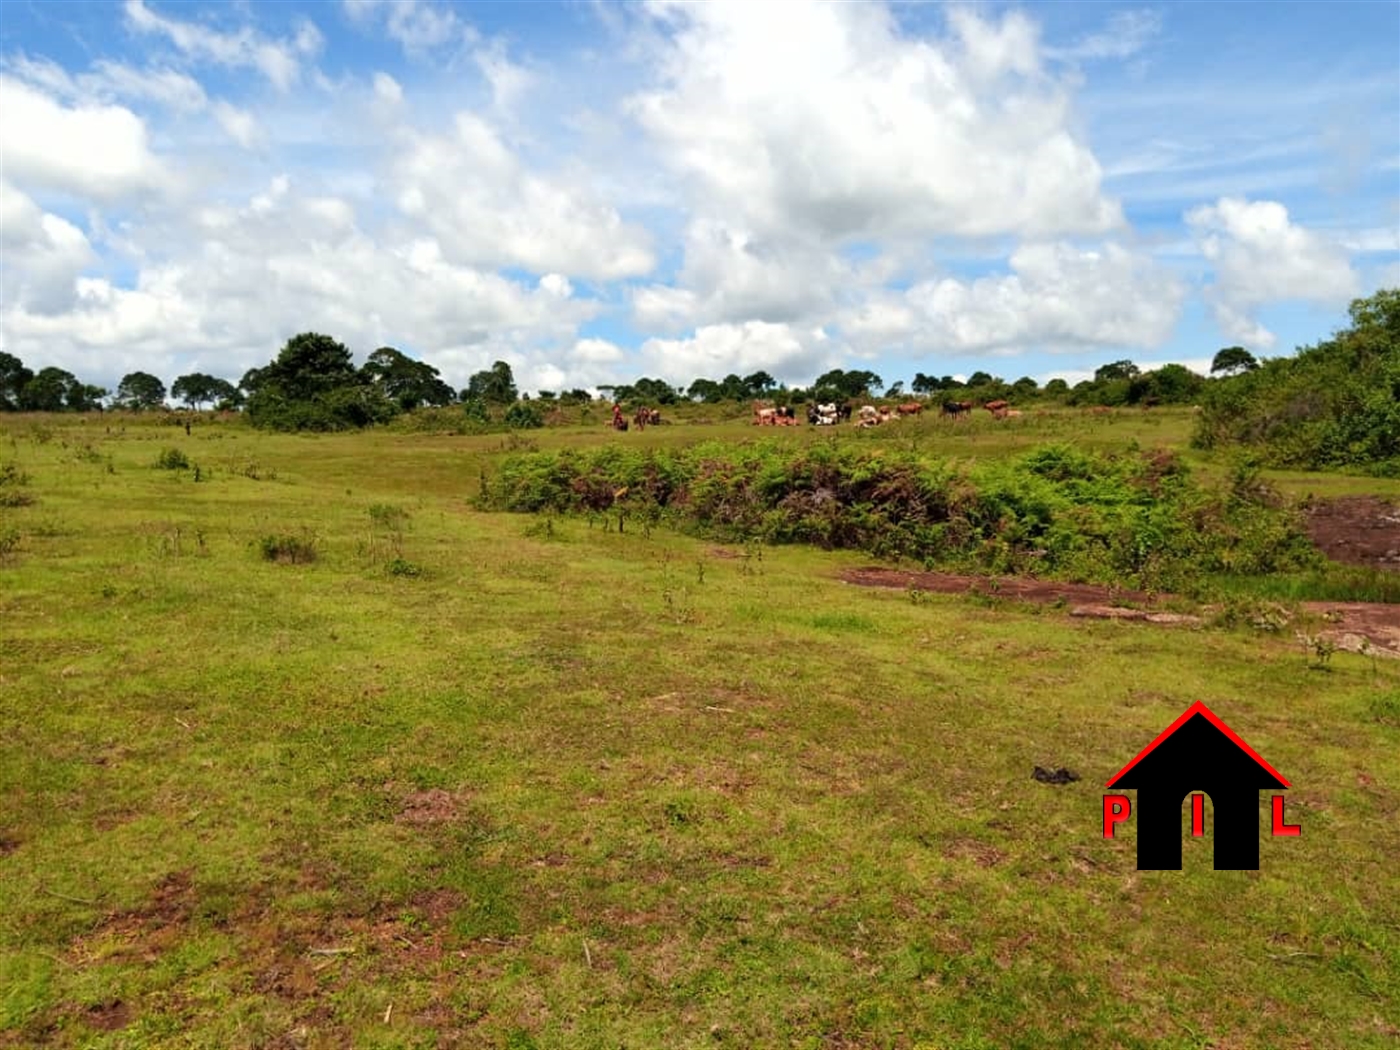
column 575, row 787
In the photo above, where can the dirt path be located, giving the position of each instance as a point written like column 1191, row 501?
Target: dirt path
column 1358, row 530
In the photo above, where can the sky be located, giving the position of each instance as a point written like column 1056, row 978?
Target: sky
column 596, row 192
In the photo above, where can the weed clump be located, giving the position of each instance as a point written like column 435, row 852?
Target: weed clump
column 172, row 459
column 289, row 549
column 13, row 481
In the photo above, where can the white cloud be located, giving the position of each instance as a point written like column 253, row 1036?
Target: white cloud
column 1057, row 296
column 509, row 81
column 43, row 254
column 96, row 151
column 417, row 27
column 789, row 353
column 1127, row 33
column 1260, row 256
column 278, row 60
column 826, row 119
column 730, row 275
column 240, row 125
column 476, row 196
column 240, row 280
column 557, row 284
column 387, row 89
column 110, row 81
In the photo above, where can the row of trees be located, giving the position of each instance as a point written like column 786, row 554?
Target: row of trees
column 314, row 369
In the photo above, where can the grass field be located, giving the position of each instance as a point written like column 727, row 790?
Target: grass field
column 470, row 779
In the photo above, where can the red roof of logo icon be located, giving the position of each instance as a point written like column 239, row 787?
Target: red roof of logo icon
column 1201, row 709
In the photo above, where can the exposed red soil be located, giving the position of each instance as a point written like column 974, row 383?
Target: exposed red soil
column 1351, row 625
column 1357, row 530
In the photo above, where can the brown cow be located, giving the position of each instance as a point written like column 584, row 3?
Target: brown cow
column 910, row 408
column 997, row 408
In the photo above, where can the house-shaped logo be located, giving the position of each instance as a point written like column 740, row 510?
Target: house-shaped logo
column 1197, row 752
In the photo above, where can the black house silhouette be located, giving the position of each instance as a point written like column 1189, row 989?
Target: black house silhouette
column 1198, row 752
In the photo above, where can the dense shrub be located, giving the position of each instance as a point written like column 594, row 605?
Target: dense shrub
column 1135, row 518
column 1333, row 405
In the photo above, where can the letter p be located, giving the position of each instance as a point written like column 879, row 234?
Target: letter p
column 1116, row 809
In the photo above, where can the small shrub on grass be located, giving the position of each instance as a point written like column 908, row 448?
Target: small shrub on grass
column 12, row 482
column 388, row 516
column 288, row 549
column 404, row 567
column 172, row 459
column 1385, row 708
column 523, row 416
column 9, row 543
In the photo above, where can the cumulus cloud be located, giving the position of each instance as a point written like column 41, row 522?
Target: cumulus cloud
column 1057, row 296
column 1260, row 256
column 284, row 262
column 826, row 118
column 731, row 275
column 472, row 192
column 278, row 60
column 43, row 253
column 93, row 150
column 789, row 353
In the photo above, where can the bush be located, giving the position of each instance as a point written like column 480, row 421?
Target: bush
column 1136, row 518
column 287, row 549
column 1333, row 405
column 12, row 480
column 172, row 459
column 523, row 416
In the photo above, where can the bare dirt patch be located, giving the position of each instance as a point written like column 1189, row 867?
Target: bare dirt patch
column 1014, row 587
column 433, row 806
column 1357, row 530
column 1352, row 626
column 109, row 1016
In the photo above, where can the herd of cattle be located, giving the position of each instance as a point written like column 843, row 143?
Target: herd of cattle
column 829, row 414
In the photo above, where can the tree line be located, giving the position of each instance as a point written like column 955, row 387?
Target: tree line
column 313, row 383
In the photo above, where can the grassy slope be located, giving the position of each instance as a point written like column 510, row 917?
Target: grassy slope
column 580, row 788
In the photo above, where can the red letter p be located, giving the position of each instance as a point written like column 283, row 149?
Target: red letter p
column 1116, row 809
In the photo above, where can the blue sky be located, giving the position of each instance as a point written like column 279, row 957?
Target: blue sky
column 596, row 192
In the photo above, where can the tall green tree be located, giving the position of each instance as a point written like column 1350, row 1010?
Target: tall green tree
column 1233, row 359
column 706, row 390
column 406, row 382
column 313, row 384
column 52, row 390
column 1115, row 370
column 494, row 385
column 198, row 389
column 140, row 390
column 13, row 378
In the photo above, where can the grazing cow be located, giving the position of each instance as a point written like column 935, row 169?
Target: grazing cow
column 956, row 408
column 823, row 415
column 910, row 408
column 843, row 411
column 647, row 416
column 868, row 412
column 997, row 408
